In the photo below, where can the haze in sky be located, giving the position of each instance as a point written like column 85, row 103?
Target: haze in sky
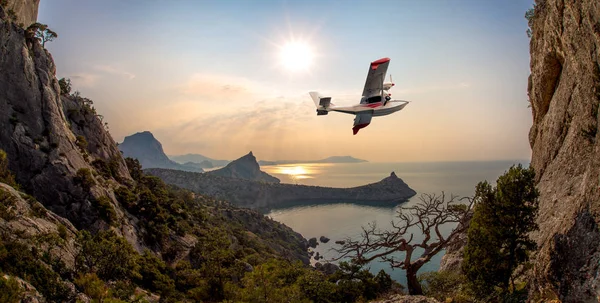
column 222, row 78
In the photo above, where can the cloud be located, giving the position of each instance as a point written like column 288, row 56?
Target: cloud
column 84, row 79
column 208, row 87
column 113, row 71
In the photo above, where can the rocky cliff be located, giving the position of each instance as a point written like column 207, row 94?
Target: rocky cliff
column 144, row 147
column 564, row 91
column 246, row 168
column 264, row 196
column 25, row 11
column 51, row 139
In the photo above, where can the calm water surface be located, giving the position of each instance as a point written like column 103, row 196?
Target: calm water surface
column 340, row 220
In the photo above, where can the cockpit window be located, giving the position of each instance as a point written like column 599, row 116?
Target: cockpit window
column 374, row 99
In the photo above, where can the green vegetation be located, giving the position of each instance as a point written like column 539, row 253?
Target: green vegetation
column 108, row 169
column 41, row 32
column 107, row 212
column 498, row 240
column 65, row 86
column 7, row 201
column 5, row 175
column 445, row 285
column 19, row 260
column 529, row 15
column 82, row 143
column 11, row 290
column 84, row 178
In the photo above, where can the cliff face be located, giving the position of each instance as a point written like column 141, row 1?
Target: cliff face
column 49, row 138
column 26, row 11
column 564, row 90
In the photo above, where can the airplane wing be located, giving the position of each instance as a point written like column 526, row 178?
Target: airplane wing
column 362, row 120
column 375, row 77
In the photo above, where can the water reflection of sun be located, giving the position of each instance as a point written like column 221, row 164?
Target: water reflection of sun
column 295, row 172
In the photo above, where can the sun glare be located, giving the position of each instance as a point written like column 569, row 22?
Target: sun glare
column 296, row 56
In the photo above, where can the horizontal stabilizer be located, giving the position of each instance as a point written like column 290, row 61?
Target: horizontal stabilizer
column 325, row 102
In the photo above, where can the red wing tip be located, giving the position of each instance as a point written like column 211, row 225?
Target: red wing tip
column 356, row 128
column 380, row 61
column 376, row 63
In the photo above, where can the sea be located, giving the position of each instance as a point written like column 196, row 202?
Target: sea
column 338, row 221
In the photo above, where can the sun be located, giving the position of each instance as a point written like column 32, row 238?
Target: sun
column 296, row 56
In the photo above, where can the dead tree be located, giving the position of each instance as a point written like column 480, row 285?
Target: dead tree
column 425, row 217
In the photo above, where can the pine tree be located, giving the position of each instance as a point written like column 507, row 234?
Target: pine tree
column 498, row 238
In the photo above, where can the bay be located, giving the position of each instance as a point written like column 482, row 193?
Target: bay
column 340, row 220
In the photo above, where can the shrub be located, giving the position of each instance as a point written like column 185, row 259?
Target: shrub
column 107, row 212
column 446, row 284
column 65, row 86
column 5, row 175
column 107, row 255
column 11, row 290
column 84, row 178
column 7, row 201
column 62, row 231
column 19, row 260
column 82, row 143
column 92, row 286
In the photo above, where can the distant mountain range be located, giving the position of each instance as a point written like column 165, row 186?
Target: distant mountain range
column 246, row 168
column 144, row 147
column 333, row 159
column 199, row 160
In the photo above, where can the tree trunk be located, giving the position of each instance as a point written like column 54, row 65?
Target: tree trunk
column 414, row 287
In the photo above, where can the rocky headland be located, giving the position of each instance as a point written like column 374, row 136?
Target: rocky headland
column 264, row 195
column 246, row 168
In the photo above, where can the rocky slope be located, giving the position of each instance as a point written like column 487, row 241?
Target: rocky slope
column 564, row 90
column 245, row 168
column 26, row 11
column 144, row 147
column 263, row 196
column 46, row 149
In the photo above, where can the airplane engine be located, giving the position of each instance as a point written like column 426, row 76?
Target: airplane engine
column 321, row 112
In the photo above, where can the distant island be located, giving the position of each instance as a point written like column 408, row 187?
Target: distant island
column 198, row 160
column 333, row 159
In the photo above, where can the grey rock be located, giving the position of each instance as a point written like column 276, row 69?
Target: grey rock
column 312, row 242
column 340, row 242
column 453, row 258
column 564, row 90
column 28, row 219
column 324, row 239
column 25, row 10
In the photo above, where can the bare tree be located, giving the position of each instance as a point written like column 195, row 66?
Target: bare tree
column 427, row 217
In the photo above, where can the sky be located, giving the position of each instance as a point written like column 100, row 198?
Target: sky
column 208, row 77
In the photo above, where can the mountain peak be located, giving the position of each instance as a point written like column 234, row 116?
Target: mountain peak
column 245, row 167
column 148, row 150
column 393, row 175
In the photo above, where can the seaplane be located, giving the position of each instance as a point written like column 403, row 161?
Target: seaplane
column 376, row 99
